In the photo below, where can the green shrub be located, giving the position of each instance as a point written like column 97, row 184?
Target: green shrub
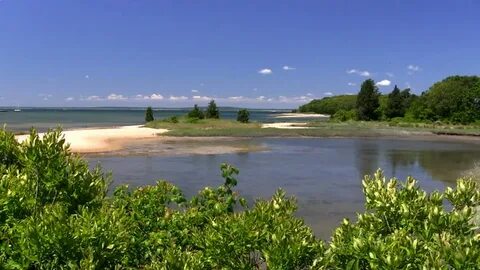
column 330, row 105
column 196, row 112
column 343, row 115
column 243, row 116
column 54, row 214
column 212, row 111
column 149, row 115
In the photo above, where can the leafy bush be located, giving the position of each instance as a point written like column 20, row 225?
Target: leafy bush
column 243, row 116
column 343, row 115
column 54, row 214
column 330, row 105
column 149, row 115
column 196, row 113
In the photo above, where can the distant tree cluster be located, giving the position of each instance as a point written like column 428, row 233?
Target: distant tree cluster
column 455, row 99
column 212, row 111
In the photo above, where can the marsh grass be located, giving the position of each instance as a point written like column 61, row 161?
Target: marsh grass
column 192, row 127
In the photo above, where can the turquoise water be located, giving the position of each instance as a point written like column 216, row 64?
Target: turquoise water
column 45, row 118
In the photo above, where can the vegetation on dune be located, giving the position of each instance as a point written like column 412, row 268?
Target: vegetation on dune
column 243, row 116
column 212, row 110
column 149, row 115
column 196, row 112
column 55, row 214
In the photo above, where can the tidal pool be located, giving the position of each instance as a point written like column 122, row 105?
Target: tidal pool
column 324, row 174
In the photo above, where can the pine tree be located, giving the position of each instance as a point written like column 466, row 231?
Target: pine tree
column 395, row 104
column 212, row 110
column 368, row 101
column 149, row 115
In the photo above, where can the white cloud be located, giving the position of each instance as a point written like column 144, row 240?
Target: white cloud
column 383, row 83
column 351, row 84
column 309, row 94
column 389, row 74
column 237, row 98
column 194, row 91
column 413, row 68
column 328, row 94
column 87, row 77
column 407, row 84
column 261, row 98
column 202, row 98
column 288, row 68
column 363, row 73
column 265, row 71
column 177, row 98
column 70, row 99
column 156, row 97
column 114, row 96
column 93, row 98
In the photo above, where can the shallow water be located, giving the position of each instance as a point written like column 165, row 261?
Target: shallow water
column 324, row 173
column 67, row 118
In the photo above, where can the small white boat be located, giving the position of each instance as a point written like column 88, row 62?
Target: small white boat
column 17, row 110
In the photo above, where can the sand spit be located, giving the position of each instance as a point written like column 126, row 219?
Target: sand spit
column 97, row 140
column 302, row 115
column 286, row 125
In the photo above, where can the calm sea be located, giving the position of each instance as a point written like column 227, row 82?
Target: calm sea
column 67, row 118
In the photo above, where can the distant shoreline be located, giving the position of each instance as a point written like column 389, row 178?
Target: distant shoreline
column 112, row 139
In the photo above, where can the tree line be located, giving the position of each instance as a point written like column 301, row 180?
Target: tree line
column 211, row 112
column 456, row 99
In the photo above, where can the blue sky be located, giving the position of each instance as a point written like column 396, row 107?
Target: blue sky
column 275, row 54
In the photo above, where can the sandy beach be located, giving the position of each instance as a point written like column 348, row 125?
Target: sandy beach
column 104, row 139
column 286, row 125
column 302, row 115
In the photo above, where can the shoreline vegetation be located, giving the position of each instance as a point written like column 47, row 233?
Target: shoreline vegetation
column 56, row 212
column 102, row 140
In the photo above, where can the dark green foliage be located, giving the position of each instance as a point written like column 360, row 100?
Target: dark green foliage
column 196, row 112
column 330, row 105
column 149, row 115
column 343, row 115
column 212, row 111
column 368, row 101
column 243, row 116
column 398, row 102
column 455, row 99
column 54, row 214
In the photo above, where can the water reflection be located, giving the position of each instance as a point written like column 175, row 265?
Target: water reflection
column 324, row 174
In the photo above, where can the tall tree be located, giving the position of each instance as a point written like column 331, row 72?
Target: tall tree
column 368, row 101
column 212, row 110
column 395, row 104
column 149, row 115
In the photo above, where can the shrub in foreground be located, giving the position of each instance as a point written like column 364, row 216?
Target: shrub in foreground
column 54, row 214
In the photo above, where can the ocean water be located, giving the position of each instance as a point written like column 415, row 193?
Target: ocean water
column 68, row 118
